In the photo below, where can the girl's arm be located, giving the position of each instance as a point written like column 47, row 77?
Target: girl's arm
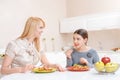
column 69, row 62
column 68, row 53
column 96, row 57
column 84, row 61
column 69, row 58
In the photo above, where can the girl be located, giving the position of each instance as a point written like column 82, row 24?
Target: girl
column 81, row 53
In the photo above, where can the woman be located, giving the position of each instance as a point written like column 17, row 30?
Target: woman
column 23, row 53
column 81, row 54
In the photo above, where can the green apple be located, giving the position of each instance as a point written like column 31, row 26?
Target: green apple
column 99, row 66
column 111, row 67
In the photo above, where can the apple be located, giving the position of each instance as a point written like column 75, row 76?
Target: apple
column 105, row 60
column 111, row 67
column 99, row 66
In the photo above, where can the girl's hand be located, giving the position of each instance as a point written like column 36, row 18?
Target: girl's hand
column 83, row 61
column 26, row 68
column 68, row 53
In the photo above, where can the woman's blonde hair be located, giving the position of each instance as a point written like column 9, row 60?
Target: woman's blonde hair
column 29, row 29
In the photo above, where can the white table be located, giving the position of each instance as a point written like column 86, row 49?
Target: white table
column 67, row 75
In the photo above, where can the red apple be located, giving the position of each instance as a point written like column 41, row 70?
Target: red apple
column 105, row 59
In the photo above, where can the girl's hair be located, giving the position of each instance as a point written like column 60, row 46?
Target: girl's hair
column 29, row 29
column 83, row 33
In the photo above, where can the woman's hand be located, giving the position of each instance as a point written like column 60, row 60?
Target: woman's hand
column 45, row 66
column 68, row 53
column 26, row 68
column 60, row 68
column 83, row 61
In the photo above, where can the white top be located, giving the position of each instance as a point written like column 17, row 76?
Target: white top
column 22, row 53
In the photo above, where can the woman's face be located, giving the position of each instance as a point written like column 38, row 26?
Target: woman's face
column 39, row 30
column 78, row 41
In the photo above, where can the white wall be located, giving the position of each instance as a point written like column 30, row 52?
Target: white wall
column 104, row 39
column 14, row 13
column 82, row 7
column 100, row 40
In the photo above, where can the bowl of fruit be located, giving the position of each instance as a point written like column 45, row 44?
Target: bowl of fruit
column 106, row 66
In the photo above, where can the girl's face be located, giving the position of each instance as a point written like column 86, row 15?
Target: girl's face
column 78, row 41
column 39, row 30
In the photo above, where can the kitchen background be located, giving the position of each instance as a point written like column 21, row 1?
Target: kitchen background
column 14, row 13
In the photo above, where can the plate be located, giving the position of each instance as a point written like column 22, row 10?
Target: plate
column 43, row 70
column 81, row 68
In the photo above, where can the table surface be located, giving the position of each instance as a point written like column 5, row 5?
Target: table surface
column 67, row 75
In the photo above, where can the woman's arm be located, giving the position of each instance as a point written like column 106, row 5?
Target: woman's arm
column 6, row 66
column 45, row 61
